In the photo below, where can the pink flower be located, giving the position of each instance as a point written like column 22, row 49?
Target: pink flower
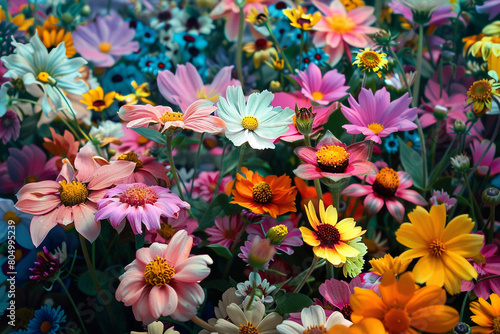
column 163, row 281
column 69, row 199
column 438, row 17
column 322, row 90
column 282, row 241
column 104, row 41
column 186, row 86
column 339, row 29
column 489, row 6
column 147, row 170
column 376, row 116
column 489, row 163
column 289, row 100
column 197, row 117
column 442, row 197
column 132, row 141
column 170, row 226
column 224, row 233
column 338, row 293
column 333, row 160
column 386, row 187
column 258, row 253
column 204, row 185
column 9, row 126
column 138, row 203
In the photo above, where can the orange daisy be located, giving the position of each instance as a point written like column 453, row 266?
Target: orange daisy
column 366, row 326
column 486, row 315
column 403, row 307
column 330, row 238
column 264, row 194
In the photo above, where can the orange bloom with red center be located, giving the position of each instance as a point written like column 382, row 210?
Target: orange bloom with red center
column 403, row 307
column 264, row 194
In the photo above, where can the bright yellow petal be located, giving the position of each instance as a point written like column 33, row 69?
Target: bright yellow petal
column 467, row 245
column 331, row 215
column 457, row 226
column 424, row 226
column 309, row 237
column 311, row 215
column 459, row 265
column 429, row 269
column 414, row 253
column 438, row 216
column 346, row 250
column 333, row 256
column 407, row 236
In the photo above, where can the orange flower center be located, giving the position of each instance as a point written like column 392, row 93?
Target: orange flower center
column 318, row 96
column 105, row 47
column 375, row 127
column 158, row 272
column 496, row 325
column 166, row 231
column 328, row 234
column 333, row 159
column 319, row 329
column 139, row 195
column 396, row 320
column 130, row 156
column 45, row 326
column 11, row 216
column 250, row 123
column 341, row 24
column 248, row 328
column 437, row 248
column 73, row 193
column 386, row 182
column 262, row 193
column 480, row 90
column 171, row 117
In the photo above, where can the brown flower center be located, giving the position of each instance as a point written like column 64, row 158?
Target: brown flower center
column 45, row 326
column 386, row 182
column 73, row 193
column 328, row 234
column 260, row 44
column 437, row 248
column 370, row 59
column 333, row 159
column 139, row 195
column 346, row 311
column 496, row 325
column 262, row 193
column 158, row 272
column 166, row 231
column 319, row 329
column 131, row 156
column 396, row 320
column 99, row 103
column 248, row 328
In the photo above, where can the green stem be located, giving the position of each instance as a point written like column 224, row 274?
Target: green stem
column 401, row 69
column 73, row 304
column 279, row 48
column 196, row 164
column 302, row 33
column 70, row 107
column 309, row 272
column 471, row 199
column 219, row 178
column 238, row 167
column 434, row 144
column 316, row 182
column 462, row 309
column 252, row 294
column 239, row 48
column 363, row 83
column 172, row 167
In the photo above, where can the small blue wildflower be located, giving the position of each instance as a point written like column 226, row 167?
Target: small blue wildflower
column 412, row 139
column 276, row 10
column 47, row 320
column 119, row 79
column 145, row 34
column 391, row 144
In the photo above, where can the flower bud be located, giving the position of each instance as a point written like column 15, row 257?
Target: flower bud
column 440, row 112
column 304, row 118
column 86, row 10
column 460, row 163
column 261, row 252
column 491, row 196
column 277, row 234
column 459, row 127
column 275, row 86
column 462, row 328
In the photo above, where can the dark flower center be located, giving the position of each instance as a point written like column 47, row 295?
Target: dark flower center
column 328, row 234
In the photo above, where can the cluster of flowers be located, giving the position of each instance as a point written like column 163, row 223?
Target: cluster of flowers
column 251, row 167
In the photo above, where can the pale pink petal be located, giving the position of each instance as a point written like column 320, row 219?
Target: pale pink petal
column 357, row 190
column 308, row 172
column 193, row 269
column 162, row 301
column 108, row 175
column 179, row 248
column 83, row 217
column 307, row 154
column 41, row 225
column 396, row 209
column 411, row 196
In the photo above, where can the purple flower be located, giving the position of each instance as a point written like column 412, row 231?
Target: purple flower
column 9, row 126
column 46, row 268
column 442, row 197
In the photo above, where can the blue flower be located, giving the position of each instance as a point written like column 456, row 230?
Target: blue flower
column 47, row 320
column 144, row 33
column 41, row 70
column 141, row 52
column 188, row 41
column 21, row 223
column 391, row 144
column 119, row 79
column 276, row 10
column 412, row 139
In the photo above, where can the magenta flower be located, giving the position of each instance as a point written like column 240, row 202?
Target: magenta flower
column 105, row 41
column 186, row 86
column 376, row 116
column 133, row 142
column 321, row 89
column 204, row 185
column 147, row 170
column 9, row 126
column 333, row 160
column 489, row 163
column 170, row 226
column 138, row 203
column 442, row 197
column 225, row 231
column 46, row 268
column 283, row 234
column 163, row 280
column 386, row 187
column 338, row 293
column 489, row 6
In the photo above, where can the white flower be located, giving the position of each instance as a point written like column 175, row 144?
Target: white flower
column 107, row 129
column 313, row 318
column 256, row 121
column 228, row 297
column 184, row 21
column 460, row 162
column 249, row 321
column 263, row 289
column 156, row 327
column 62, row 251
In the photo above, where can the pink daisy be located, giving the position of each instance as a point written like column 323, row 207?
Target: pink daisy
column 138, row 203
column 9, row 126
column 163, row 280
column 386, row 187
column 338, row 293
column 376, row 116
column 105, row 41
column 70, row 199
column 147, row 170
column 333, row 160
column 442, row 197
column 283, row 234
column 489, row 163
column 321, row 89
column 225, row 231
column 340, row 29
column 204, row 185
column 170, row 226
column 133, row 142
column 197, row 117
column 186, row 86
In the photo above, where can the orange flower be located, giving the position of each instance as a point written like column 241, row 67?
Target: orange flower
column 487, row 316
column 365, row 326
column 387, row 263
column 403, row 307
column 270, row 194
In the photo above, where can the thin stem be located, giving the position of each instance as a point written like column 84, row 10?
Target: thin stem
column 219, row 178
column 203, row 324
column 252, row 294
column 302, row 33
column 238, row 167
column 239, row 48
column 172, row 167
column 316, row 182
column 434, row 144
column 462, row 309
column 70, row 107
column 73, row 304
column 304, row 279
column 363, row 83
column 196, row 164
column 279, row 48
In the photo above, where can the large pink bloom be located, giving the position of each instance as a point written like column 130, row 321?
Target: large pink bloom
column 321, row 89
column 489, row 163
column 333, row 160
column 197, row 118
column 225, row 231
column 105, row 41
column 163, row 281
column 204, row 185
column 70, row 199
column 376, row 116
column 340, row 29
column 186, row 86
column 293, row 237
column 386, row 187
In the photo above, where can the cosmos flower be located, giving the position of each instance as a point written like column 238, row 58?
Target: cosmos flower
column 225, row 230
column 338, row 293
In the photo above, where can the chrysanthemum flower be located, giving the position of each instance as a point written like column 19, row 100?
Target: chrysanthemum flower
column 283, row 234
column 248, row 321
column 403, row 307
column 442, row 250
column 95, row 99
column 371, row 60
column 163, row 281
column 300, row 19
column 386, row 264
column 228, row 297
column 333, row 160
column 225, row 231
column 385, row 188
column 321, row 89
column 313, row 320
column 269, row 194
column 329, row 238
column 486, row 315
column 376, row 116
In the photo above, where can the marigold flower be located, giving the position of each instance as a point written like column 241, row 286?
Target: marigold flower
column 95, row 99
column 365, row 326
column 486, row 315
column 386, row 264
column 300, row 19
column 371, row 60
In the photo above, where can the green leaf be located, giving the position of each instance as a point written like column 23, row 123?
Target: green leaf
column 87, row 285
column 412, row 163
column 216, row 206
column 29, row 125
column 154, row 135
column 292, row 302
column 221, row 251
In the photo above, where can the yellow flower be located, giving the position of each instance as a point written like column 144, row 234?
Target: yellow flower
column 300, row 19
column 140, row 94
column 470, row 40
column 330, row 238
column 387, row 263
column 52, row 35
column 261, row 49
column 481, row 93
column 485, row 46
column 276, row 63
column 19, row 20
column 487, row 316
column 257, row 18
column 371, row 61
column 352, row 4
column 96, row 100
column 443, row 250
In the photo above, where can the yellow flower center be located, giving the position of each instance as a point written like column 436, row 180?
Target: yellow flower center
column 262, row 193
column 139, row 195
column 73, row 193
column 277, row 234
column 249, row 122
column 319, row 329
column 105, row 47
column 211, row 95
column 248, row 328
column 341, row 24
column 386, row 182
column 43, row 77
column 396, row 320
column 375, row 127
column 333, row 159
column 437, row 248
column 370, row 59
column 496, row 325
column 130, row 156
column 141, row 140
column 166, row 231
column 318, row 96
column 480, row 90
column 158, row 272
column 171, row 117
column 45, row 326
column 328, row 234
column 11, row 216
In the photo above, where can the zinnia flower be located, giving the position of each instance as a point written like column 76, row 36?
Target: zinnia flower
column 329, row 238
column 163, row 281
column 442, row 250
column 248, row 321
column 269, row 194
column 486, row 315
column 313, row 320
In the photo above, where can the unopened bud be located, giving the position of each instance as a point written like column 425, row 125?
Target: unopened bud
column 460, row 163
column 491, row 196
column 86, row 10
column 275, row 86
column 304, row 118
column 261, row 252
column 440, row 112
column 277, row 234
column 462, row 328
column 459, row 127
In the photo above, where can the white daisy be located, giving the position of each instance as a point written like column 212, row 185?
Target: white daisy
column 252, row 321
column 263, row 287
column 255, row 121
column 313, row 320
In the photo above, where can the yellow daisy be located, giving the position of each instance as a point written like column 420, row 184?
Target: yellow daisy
column 141, row 92
column 300, row 19
column 261, row 50
column 52, row 35
column 256, row 17
column 486, row 315
column 96, row 100
column 481, row 94
column 371, row 61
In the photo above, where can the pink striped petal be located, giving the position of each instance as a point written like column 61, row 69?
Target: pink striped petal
column 396, row 209
column 411, row 196
column 373, row 203
column 357, row 190
column 308, row 172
